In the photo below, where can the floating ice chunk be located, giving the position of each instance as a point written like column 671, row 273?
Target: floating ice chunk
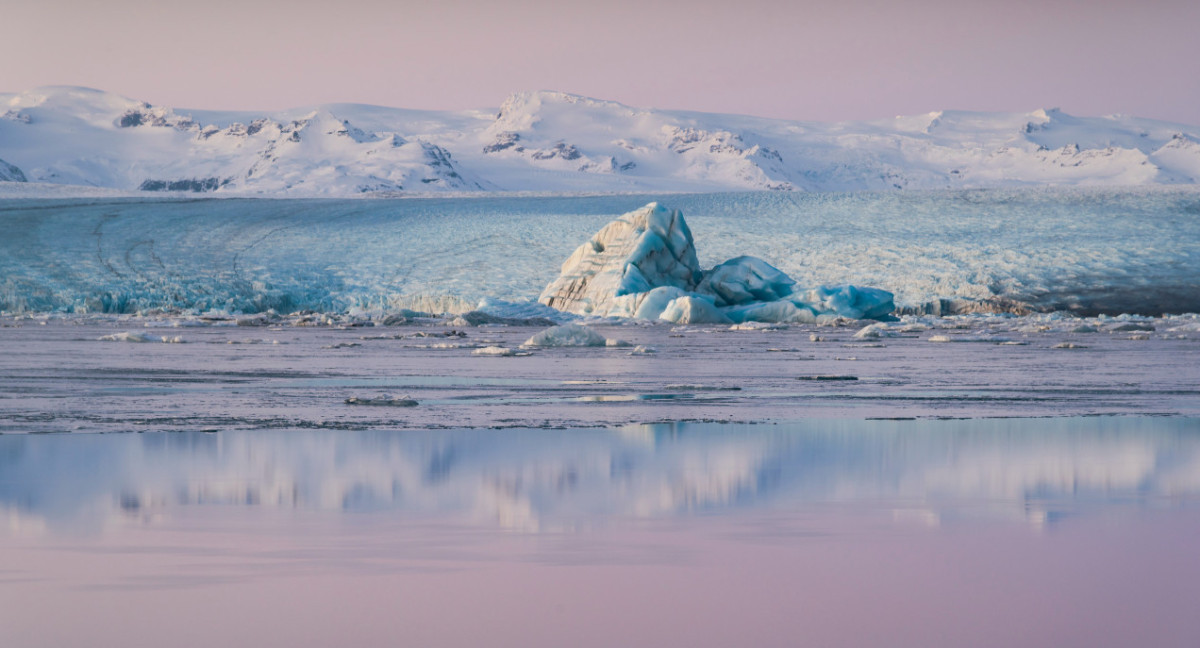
column 642, row 350
column 758, row 326
column 783, row 310
column 566, row 335
column 130, row 336
column 640, row 251
column 986, row 339
column 495, row 351
column 480, row 318
column 851, row 301
column 506, row 313
column 1133, row 326
column 644, row 265
column 691, row 309
column 649, row 305
column 871, row 332
column 384, row 401
column 614, row 342
column 746, row 279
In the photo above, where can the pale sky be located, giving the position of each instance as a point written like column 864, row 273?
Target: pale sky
column 809, row 60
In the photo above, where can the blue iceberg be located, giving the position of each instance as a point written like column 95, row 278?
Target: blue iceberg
column 643, row 265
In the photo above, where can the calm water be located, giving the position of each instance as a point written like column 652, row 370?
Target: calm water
column 985, row 532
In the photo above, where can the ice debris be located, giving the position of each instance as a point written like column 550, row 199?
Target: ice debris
column 140, row 336
column 498, row 352
column 567, row 335
column 643, row 265
column 382, row 401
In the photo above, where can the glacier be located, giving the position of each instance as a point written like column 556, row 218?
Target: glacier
column 644, row 265
column 1080, row 250
column 559, row 142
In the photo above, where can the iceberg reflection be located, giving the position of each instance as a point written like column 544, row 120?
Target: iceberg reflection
column 1037, row 470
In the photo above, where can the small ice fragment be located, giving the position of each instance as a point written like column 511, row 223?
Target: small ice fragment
column 939, row 338
column 342, row 345
column 871, row 331
column 758, row 326
column 385, row 401
column 613, row 342
column 827, row 377
column 129, row 336
column 176, row 339
column 1068, row 345
column 690, row 309
column 494, row 351
column 1084, row 328
column 813, row 337
column 565, row 336
column 642, row 350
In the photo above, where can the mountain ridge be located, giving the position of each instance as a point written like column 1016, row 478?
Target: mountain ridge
column 555, row 141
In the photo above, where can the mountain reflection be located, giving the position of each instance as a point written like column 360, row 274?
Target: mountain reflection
column 1037, row 470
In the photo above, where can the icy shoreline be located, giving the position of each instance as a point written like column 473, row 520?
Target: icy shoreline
column 123, row 374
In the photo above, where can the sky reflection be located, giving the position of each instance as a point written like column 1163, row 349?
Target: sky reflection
column 1037, row 471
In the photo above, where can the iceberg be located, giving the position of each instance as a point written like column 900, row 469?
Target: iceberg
column 643, row 265
column 744, row 280
column 645, row 249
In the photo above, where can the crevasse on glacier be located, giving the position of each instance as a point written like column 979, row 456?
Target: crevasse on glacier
column 644, row 265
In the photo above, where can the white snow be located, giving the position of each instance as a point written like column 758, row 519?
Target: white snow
column 554, row 141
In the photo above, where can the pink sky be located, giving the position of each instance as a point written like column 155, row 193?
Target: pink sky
column 819, row 60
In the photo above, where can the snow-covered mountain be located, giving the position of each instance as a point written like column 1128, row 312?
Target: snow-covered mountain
column 551, row 141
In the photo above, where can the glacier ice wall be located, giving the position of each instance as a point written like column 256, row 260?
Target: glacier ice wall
column 1089, row 251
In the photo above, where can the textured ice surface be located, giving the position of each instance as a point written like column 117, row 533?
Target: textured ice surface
column 611, row 272
column 1090, row 251
column 643, row 265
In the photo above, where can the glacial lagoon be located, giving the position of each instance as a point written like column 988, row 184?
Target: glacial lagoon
column 180, row 465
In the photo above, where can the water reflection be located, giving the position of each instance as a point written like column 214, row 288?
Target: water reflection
column 931, row 472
